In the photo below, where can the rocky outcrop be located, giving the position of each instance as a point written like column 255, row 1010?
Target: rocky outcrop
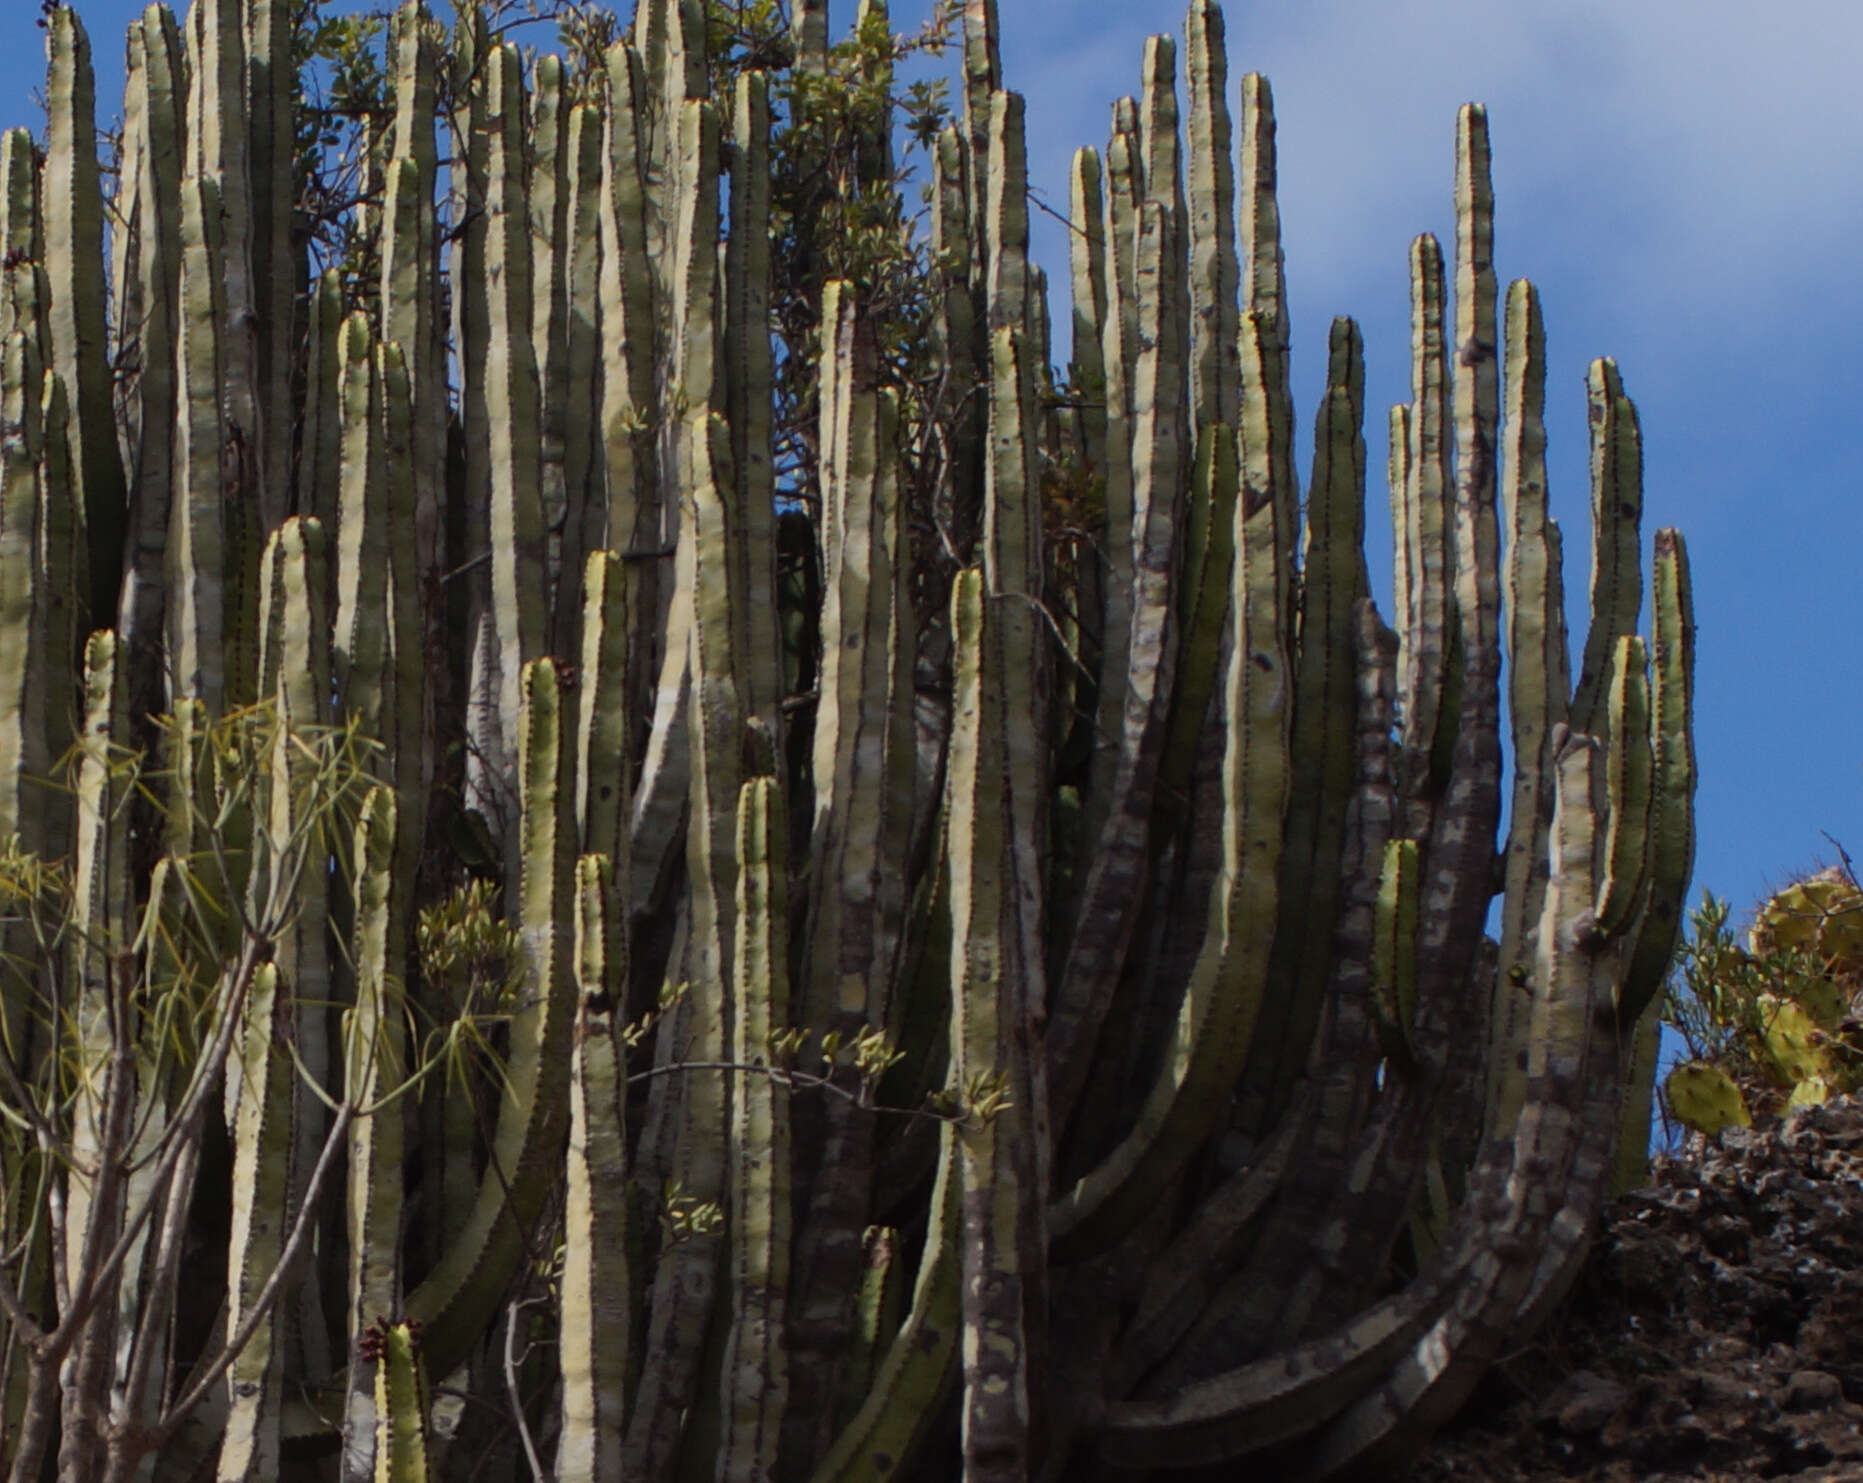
column 1717, row 1332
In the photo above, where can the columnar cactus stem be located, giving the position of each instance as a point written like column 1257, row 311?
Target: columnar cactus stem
column 197, row 547
column 1116, row 881
column 320, row 457
column 1672, row 817
column 374, row 1038
column 74, row 261
column 1224, row 994
column 892, row 1423
column 863, row 754
column 22, row 597
column 219, row 146
column 749, row 382
column 62, row 569
column 548, row 167
column 360, row 642
column 100, row 905
column 415, row 324
column 516, row 526
column 262, row 1173
column 1628, row 766
column 25, row 301
column 155, row 228
column 400, row 1404
column 1539, row 686
column 983, row 78
column 990, row 1048
column 584, row 518
column 457, row 1299
column 299, row 661
column 1215, row 368
column 603, row 786
column 627, row 302
column 271, row 94
column 1268, row 449
column 1332, row 581
column 755, row 1364
column 597, row 1323
column 1427, row 554
column 1616, row 508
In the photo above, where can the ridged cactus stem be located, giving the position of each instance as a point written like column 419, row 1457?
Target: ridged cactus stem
column 74, row 261
column 685, row 1288
column 809, row 29
column 990, row 1048
column 627, row 302
column 603, row 784
column 197, row 545
column 320, row 457
column 900, row 1408
column 360, row 641
column 983, row 77
column 1006, row 213
column 549, row 166
column 596, row 1321
column 295, row 568
column 585, row 512
column 1215, row 273
column 415, row 324
column 401, row 1404
column 1616, row 564
column 1116, row 881
column 863, row 758
column 262, row 1146
column 374, row 1057
column 1539, row 687
column 404, row 728
column 1423, row 534
column 1539, row 1188
column 62, row 564
column 457, row 1299
column 146, row 334
column 1333, row 579
column 1672, row 818
column 755, row 1364
column 101, row 1044
column 1628, row 767
column 749, row 381
column 26, row 301
column 22, row 648
column 1267, row 402
column 271, row 96
column 512, row 412
column 1223, row 997
column 219, row 145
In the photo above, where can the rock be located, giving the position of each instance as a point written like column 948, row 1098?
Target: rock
column 1712, row 1335
column 1813, row 1390
column 1583, row 1404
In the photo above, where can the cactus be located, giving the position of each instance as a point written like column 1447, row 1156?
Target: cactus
column 1007, row 982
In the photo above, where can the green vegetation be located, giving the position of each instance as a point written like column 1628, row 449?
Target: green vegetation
column 1770, row 1024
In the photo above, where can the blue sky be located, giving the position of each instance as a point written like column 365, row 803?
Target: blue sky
column 1680, row 178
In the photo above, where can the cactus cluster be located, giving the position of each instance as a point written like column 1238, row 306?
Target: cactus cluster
column 519, row 981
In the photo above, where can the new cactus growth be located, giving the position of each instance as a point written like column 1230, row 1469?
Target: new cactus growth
column 757, row 892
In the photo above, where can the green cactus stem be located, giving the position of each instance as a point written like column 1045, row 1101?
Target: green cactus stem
column 74, row 259
column 596, row 1322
